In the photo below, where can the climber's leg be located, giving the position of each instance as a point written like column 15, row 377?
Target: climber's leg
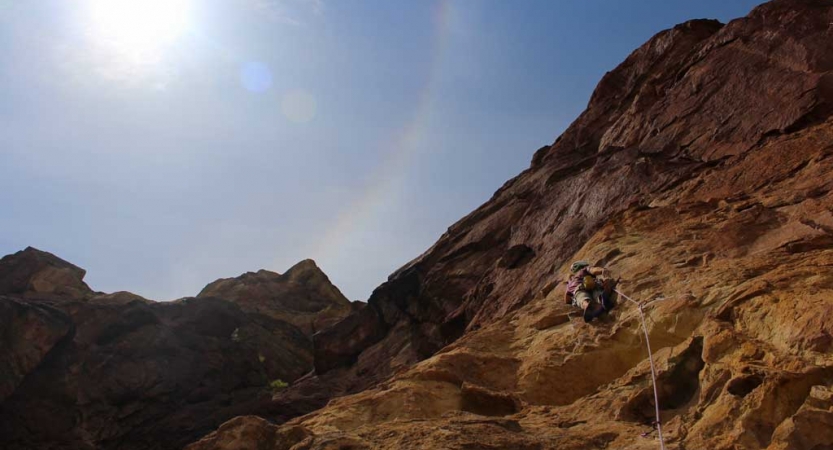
column 609, row 296
column 580, row 299
column 590, row 307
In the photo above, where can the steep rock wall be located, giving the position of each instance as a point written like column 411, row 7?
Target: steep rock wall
column 701, row 171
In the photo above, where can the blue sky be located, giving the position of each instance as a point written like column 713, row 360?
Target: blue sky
column 161, row 149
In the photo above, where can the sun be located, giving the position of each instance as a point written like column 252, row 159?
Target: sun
column 140, row 25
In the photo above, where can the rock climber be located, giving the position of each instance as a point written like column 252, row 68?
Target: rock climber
column 591, row 289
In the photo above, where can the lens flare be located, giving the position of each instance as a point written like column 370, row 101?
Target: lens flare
column 255, row 76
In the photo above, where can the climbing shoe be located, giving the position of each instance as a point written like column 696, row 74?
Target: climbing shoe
column 593, row 310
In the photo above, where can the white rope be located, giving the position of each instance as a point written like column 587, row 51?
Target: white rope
column 651, row 359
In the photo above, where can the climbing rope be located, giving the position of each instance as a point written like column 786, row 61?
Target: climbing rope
column 640, row 306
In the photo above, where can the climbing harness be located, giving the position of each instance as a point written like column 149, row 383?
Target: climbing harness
column 640, row 306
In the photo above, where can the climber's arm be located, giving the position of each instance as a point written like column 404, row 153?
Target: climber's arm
column 596, row 271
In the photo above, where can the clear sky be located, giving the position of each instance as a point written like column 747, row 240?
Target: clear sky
column 165, row 145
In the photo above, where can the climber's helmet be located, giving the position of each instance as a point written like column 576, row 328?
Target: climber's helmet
column 578, row 265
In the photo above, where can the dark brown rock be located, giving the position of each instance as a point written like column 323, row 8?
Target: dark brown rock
column 333, row 345
column 80, row 369
column 156, row 375
column 32, row 272
column 303, row 296
column 29, row 334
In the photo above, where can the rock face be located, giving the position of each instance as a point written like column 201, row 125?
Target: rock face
column 86, row 370
column 701, row 172
column 30, row 332
column 303, row 296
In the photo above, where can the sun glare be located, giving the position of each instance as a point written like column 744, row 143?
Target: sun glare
column 140, row 25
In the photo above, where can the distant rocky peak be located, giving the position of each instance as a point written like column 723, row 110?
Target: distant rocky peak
column 304, row 268
column 308, row 273
column 303, row 296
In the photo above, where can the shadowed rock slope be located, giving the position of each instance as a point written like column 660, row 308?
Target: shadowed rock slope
column 303, row 296
column 86, row 370
column 701, row 171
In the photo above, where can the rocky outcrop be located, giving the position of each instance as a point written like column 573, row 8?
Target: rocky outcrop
column 35, row 273
column 701, row 173
column 303, row 296
column 86, row 370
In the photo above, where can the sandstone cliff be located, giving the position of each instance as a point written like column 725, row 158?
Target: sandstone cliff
column 701, row 172
column 85, row 370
